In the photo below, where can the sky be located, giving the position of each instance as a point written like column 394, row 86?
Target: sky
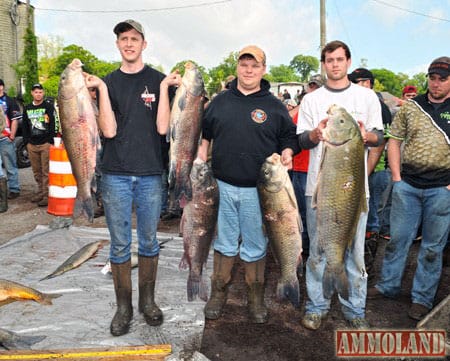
column 398, row 35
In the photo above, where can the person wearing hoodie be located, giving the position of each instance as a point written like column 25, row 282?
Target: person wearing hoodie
column 245, row 124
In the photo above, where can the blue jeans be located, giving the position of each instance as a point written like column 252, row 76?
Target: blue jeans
column 299, row 184
column 8, row 154
column 119, row 194
column 354, row 307
column 378, row 182
column 240, row 215
column 410, row 207
column 384, row 211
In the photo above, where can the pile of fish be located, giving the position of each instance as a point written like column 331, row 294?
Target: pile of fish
column 79, row 133
column 185, row 128
column 283, row 225
column 339, row 197
column 198, row 225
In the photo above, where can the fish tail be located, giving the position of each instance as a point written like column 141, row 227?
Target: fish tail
column 193, row 286
column 47, row 298
column 26, row 341
column 335, row 280
column 289, row 290
column 47, row 277
column 85, row 206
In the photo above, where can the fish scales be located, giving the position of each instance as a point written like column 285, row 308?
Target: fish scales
column 198, row 226
column 185, row 129
column 339, row 197
column 79, row 133
column 283, row 225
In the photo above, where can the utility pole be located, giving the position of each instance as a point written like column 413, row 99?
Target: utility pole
column 323, row 32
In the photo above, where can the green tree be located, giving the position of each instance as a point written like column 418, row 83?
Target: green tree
column 282, row 73
column 71, row 52
column 390, row 81
column 49, row 48
column 305, row 65
column 420, row 80
column 219, row 73
column 27, row 67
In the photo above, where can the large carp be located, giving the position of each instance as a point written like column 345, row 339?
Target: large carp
column 339, row 196
column 79, row 132
column 11, row 291
column 283, row 225
column 198, row 225
column 185, row 127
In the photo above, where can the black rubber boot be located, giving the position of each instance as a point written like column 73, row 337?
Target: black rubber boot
column 219, row 286
column 122, row 285
column 254, row 276
column 3, row 195
column 148, row 267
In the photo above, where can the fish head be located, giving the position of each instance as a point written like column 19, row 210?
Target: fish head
column 71, row 80
column 341, row 127
column 193, row 80
column 273, row 174
column 201, row 173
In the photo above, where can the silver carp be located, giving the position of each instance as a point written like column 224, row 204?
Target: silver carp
column 339, row 196
column 13, row 341
column 198, row 225
column 79, row 133
column 283, row 225
column 185, row 128
column 78, row 258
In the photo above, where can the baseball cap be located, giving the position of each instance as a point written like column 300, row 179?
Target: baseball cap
column 409, row 89
column 316, row 79
column 254, row 51
column 2, row 82
column 360, row 74
column 37, row 86
column 440, row 66
column 127, row 25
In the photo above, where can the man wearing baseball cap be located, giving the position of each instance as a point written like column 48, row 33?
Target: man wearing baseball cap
column 421, row 191
column 133, row 113
column 409, row 92
column 245, row 124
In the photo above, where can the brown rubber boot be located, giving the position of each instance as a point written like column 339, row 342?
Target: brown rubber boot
column 3, row 195
column 254, row 276
column 148, row 267
column 122, row 285
column 219, row 286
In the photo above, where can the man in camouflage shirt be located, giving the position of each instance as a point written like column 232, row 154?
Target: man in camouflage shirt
column 421, row 191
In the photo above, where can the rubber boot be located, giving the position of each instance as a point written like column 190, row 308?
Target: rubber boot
column 3, row 195
column 121, row 273
column 148, row 267
column 219, row 286
column 254, row 276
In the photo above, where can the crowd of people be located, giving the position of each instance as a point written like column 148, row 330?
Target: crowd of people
column 409, row 184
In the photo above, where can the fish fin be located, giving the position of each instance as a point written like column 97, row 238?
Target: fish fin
column 184, row 264
column 300, row 266
column 289, row 290
column 87, row 208
column 197, row 286
column 182, row 100
column 51, row 275
column 335, row 281
column 22, row 342
column 48, row 297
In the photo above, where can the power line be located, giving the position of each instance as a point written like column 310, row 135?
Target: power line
column 412, row 11
column 136, row 10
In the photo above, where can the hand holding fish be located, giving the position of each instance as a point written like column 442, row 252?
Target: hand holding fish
column 362, row 129
column 317, row 134
column 173, row 79
column 286, row 157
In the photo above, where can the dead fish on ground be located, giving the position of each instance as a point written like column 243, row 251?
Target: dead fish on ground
column 198, row 225
column 339, row 196
column 185, row 128
column 134, row 263
column 13, row 341
column 82, row 255
column 283, row 225
column 80, row 133
column 11, row 291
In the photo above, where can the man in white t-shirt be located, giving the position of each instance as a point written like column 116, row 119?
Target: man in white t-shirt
column 364, row 106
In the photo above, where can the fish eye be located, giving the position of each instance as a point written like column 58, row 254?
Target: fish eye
column 341, row 121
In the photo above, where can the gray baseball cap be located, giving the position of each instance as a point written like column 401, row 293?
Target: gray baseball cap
column 128, row 25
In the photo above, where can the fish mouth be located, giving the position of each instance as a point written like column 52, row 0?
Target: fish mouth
column 337, row 143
